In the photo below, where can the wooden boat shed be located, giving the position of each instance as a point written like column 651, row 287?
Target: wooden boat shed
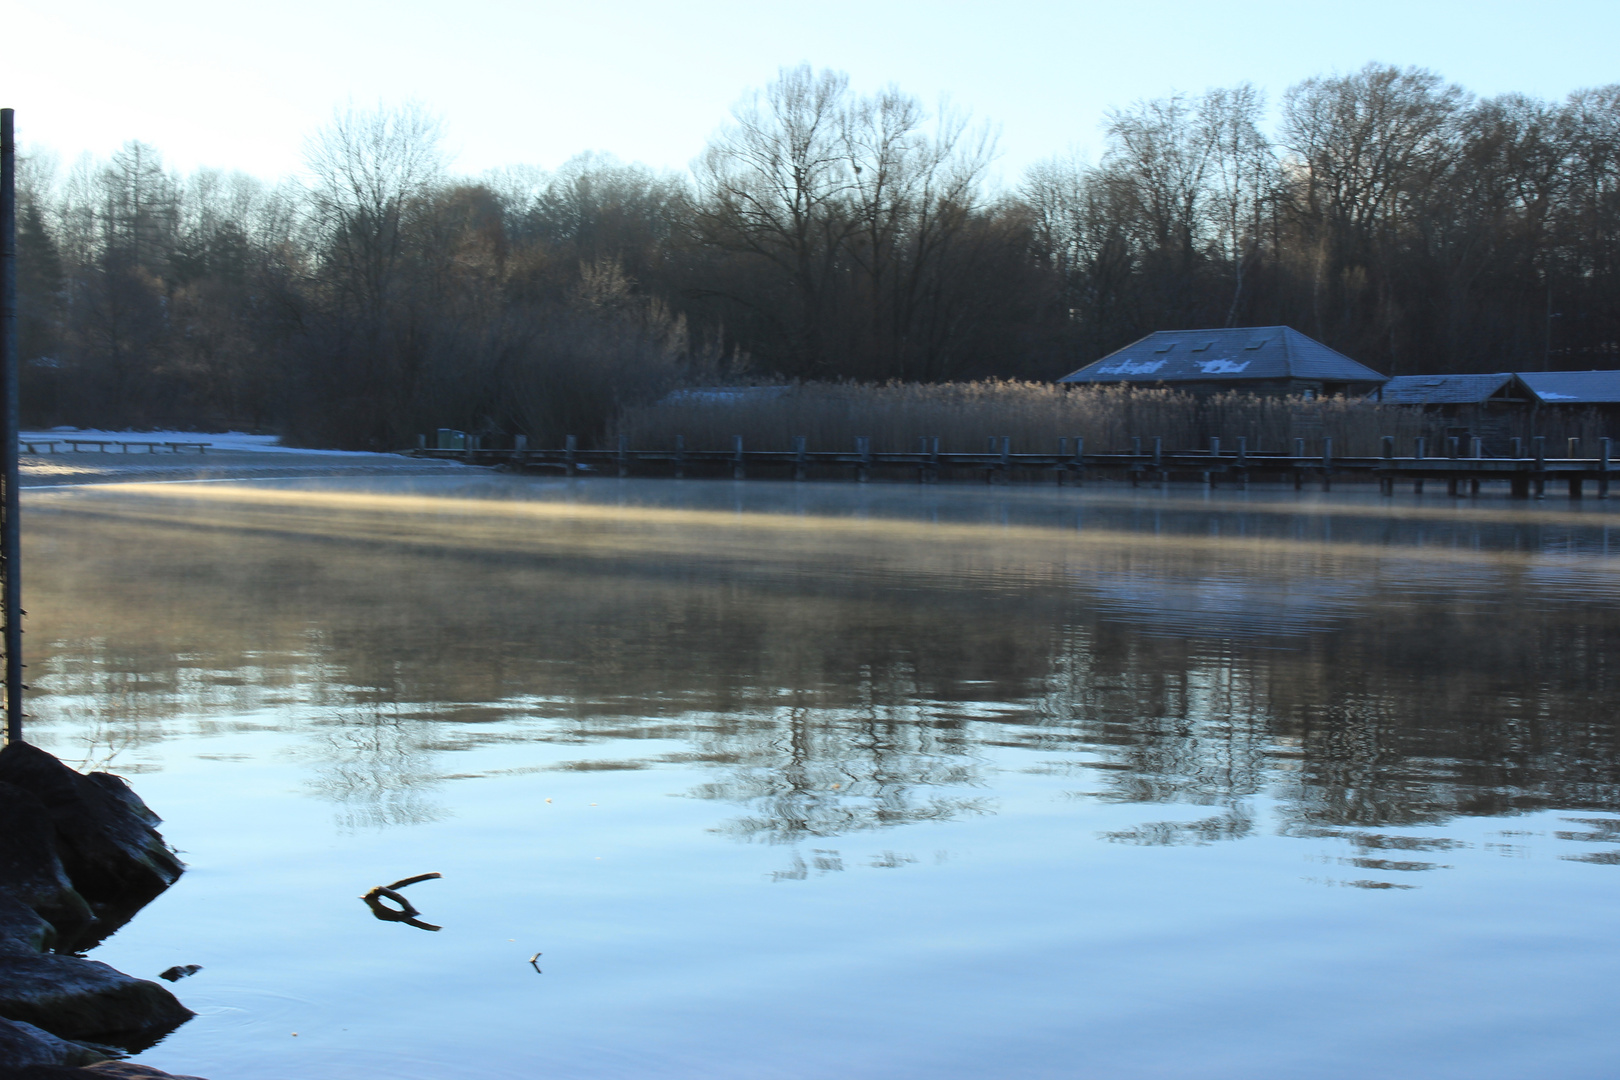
column 1506, row 404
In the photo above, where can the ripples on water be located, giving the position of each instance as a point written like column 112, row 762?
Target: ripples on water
column 896, row 782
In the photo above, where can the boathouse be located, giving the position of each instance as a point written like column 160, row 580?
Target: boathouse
column 1254, row 359
column 1511, row 404
column 1447, row 393
column 1514, row 391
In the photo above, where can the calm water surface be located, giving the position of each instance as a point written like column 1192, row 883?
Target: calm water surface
column 831, row 780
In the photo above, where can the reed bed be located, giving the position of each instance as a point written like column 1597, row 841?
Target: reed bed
column 1034, row 415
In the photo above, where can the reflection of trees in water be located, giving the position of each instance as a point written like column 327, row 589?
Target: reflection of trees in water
column 1390, row 695
column 1393, row 723
column 804, row 772
column 378, row 768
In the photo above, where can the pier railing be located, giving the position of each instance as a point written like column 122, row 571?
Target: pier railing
column 1526, row 470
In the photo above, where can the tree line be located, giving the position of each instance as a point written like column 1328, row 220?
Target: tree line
column 822, row 234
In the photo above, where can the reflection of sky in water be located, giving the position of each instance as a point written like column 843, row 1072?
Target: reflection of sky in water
column 785, row 780
column 1223, row 605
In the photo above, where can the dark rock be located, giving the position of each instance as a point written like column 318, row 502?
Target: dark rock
column 128, row 1070
column 25, row 1044
column 106, row 1070
column 178, row 972
column 22, row 929
column 30, row 869
column 85, row 999
column 105, row 836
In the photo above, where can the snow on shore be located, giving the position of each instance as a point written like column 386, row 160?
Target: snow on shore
column 229, row 440
column 230, row 456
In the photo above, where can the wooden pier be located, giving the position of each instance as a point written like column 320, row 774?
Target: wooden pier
column 51, row 442
column 1526, row 470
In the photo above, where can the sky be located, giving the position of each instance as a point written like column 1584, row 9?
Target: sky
column 242, row 86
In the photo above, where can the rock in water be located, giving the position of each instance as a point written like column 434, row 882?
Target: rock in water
column 105, row 836
column 25, row 1044
column 106, row 1070
column 30, row 870
column 22, row 929
column 74, row 998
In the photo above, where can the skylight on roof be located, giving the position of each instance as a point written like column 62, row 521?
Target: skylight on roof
column 1167, row 348
column 1256, row 344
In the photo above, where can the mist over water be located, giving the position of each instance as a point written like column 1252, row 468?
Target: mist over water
column 784, row 780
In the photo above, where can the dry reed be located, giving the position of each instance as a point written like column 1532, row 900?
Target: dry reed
column 1034, row 415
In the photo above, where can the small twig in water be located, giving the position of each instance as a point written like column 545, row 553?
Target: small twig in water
column 405, row 913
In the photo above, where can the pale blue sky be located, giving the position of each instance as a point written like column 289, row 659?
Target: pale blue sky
column 235, row 85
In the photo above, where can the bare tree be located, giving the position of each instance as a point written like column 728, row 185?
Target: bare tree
column 373, row 172
column 1364, row 148
column 775, row 184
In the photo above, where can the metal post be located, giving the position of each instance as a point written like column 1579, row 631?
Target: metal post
column 10, row 531
column 1603, row 468
column 570, row 451
column 1327, row 464
column 1079, row 459
column 799, row 443
column 863, row 448
column 1540, row 445
column 624, row 456
column 738, row 471
column 680, row 456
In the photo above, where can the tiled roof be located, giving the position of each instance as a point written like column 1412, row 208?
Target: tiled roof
column 1235, row 355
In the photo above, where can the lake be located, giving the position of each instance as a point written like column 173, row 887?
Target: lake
column 788, row 781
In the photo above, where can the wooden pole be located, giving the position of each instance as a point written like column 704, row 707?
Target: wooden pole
column 10, row 530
